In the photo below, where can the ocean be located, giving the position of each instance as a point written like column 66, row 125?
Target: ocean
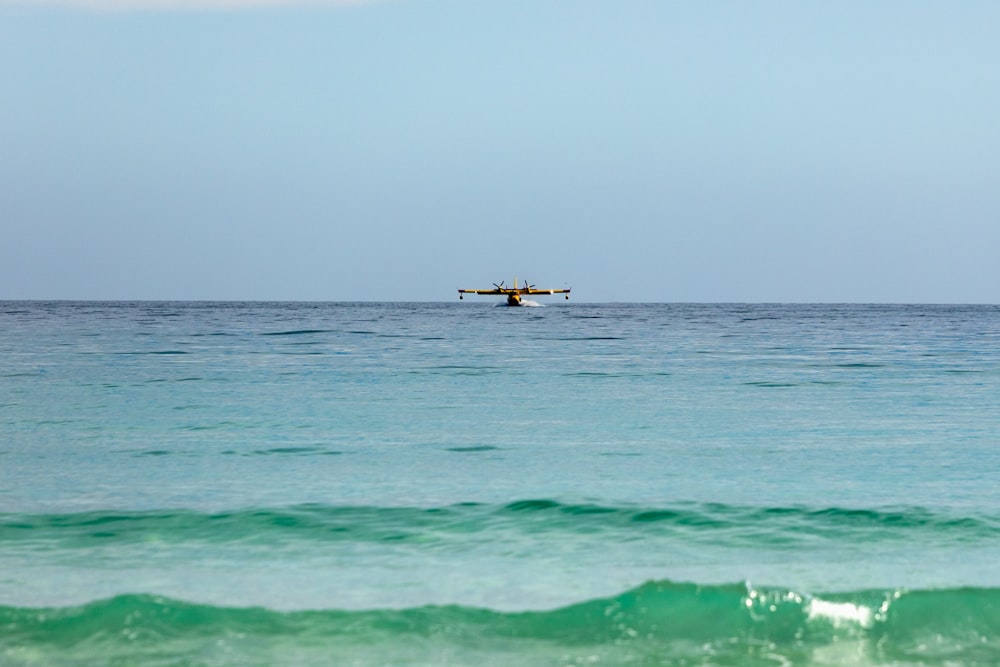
column 199, row 483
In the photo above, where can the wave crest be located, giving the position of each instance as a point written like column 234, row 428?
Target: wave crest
column 660, row 622
column 748, row 525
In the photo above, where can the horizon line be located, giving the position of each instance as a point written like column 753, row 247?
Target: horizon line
column 490, row 302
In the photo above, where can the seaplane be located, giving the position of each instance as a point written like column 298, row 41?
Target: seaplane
column 514, row 294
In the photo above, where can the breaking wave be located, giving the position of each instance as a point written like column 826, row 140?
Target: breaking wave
column 658, row 623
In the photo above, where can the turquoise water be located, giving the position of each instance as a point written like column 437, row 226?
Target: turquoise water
column 462, row 484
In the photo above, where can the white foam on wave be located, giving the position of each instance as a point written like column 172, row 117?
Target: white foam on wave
column 840, row 613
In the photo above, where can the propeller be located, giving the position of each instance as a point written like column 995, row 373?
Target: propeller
column 500, row 286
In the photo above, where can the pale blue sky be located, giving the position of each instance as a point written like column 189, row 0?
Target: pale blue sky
column 397, row 150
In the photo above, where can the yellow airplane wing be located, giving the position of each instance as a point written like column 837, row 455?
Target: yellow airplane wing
column 514, row 293
column 532, row 290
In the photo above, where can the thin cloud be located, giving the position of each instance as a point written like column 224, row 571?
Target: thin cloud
column 143, row 5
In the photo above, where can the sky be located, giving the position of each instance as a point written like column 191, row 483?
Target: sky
column 395, row 150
